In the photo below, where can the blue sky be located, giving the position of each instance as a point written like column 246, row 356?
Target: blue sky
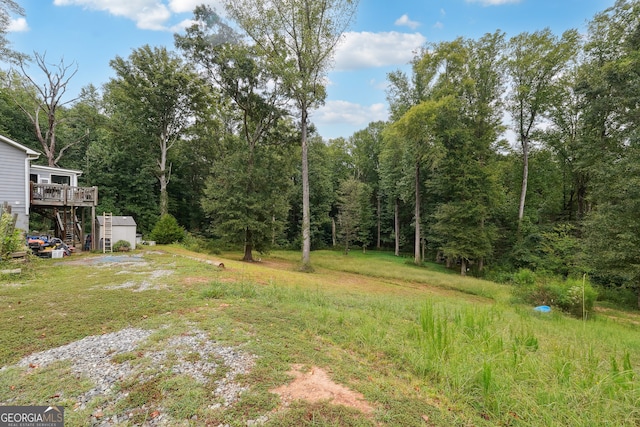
column 384, row 36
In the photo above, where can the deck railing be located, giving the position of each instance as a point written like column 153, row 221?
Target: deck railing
column 63, row 195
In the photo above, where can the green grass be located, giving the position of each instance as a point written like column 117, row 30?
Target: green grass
column 420, row 344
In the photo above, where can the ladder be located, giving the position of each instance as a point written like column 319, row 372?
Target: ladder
column 107, row 232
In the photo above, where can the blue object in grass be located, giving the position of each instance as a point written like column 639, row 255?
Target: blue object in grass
column 543, row 309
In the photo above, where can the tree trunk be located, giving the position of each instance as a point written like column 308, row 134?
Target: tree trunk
column 248, row 247
column 379, row 214
column 162, row 177
column 334, row 239
column 525, row 178
column 416, row 246
column 306, row 218
column 463, row 267
column 396, row 225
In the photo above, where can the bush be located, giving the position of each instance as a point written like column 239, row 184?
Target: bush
column 122, row 246
column 167, row 230
column 11, row 239
column 571, row 296
column 200, row 244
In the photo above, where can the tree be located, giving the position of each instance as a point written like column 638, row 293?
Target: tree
column 354, row 213
column 256, row 94
column 611, row 90
column 46, row 100
column 416, row 130
column 367, row 146
column 464, row 182
column 160, row 95
column 534, row 61
column 298, row 37
column 6, row 7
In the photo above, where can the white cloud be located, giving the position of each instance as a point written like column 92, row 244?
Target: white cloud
column 493, row 2
column 147, row 14
column 18, row 25
column 182, row 6
column 438, row 25
column 349, row 113
column 405, row 21
column 367, row 50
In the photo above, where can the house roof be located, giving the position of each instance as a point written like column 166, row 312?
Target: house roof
column 118, row 220
column 28, row 151
column 58, row 170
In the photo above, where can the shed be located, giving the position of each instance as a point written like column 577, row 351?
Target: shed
column 122, row 228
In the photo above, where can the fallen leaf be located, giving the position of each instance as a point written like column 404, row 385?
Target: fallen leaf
column 12, row 387
column 98, row 414
column 54, row 396
column 43, row 335
column 155, row 414
column 425, row 418
column 32, row 365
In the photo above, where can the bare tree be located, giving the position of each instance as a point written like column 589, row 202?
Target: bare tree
column 44, row 102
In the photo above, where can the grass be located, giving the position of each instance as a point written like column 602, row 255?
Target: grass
column 425, row 347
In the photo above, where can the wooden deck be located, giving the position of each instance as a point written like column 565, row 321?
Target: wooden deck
column 59, row 195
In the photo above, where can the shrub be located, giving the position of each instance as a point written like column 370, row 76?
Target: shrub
column 167, row 230
column 571, row 296
column 11, row 239
column 122, row 246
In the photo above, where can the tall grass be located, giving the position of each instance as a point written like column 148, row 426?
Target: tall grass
column 415, row 342
column 497, row 363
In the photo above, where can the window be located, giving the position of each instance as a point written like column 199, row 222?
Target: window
column 33, row 177
column 59, row 179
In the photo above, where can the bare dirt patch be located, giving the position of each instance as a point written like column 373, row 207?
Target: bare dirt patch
column 315, row 385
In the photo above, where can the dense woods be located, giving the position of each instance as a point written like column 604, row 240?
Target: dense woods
column 213, row 133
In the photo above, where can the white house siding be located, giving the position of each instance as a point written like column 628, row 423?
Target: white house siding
column 13, row 182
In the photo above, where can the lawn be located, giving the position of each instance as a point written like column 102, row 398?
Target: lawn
column 418, row 346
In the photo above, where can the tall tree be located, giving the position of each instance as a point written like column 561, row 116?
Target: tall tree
column 243, row 77
column 46, row 100
column 416, row 129
column 611, row 90
column 469, row 126
column 534, row 62
column 367, row 146
column 161, row 94
column 298, row 37
column 354, row 213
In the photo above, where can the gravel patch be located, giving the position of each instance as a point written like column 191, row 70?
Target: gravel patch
column 192, row 354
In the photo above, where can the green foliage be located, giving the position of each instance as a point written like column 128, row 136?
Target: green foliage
column 573, row 296
column 354, row 213
column 122, row 246
column 167, row 230
column 11, row 239
column 200, row 244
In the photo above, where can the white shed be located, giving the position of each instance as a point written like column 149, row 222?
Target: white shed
column 123, row 228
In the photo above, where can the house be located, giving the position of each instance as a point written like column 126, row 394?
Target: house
column 122, row 228
column 52, row 192
column 15, row 166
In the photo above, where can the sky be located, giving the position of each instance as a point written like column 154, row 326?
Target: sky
column 383, row 38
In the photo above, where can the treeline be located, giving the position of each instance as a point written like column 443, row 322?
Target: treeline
column 499, row 154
